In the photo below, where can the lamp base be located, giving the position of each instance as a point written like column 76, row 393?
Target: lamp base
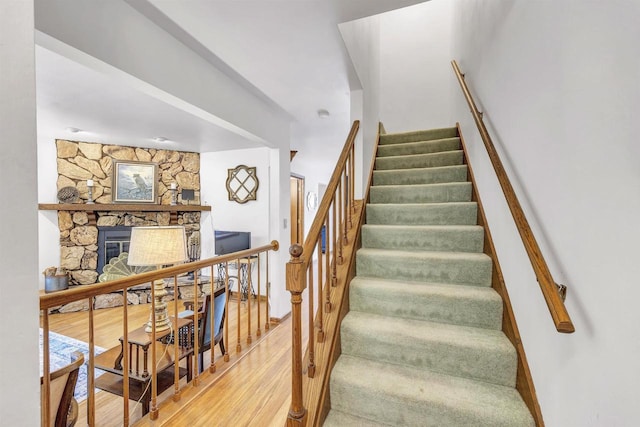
column 161, row 316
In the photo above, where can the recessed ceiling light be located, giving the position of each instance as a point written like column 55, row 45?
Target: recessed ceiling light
column 323, row 114
column 73, row 130
column 160, row 139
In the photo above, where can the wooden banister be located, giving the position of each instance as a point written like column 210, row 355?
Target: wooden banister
column 336, row 214
column 550, row 289
column 123, row 366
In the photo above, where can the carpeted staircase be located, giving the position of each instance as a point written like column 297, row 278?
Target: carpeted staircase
column 422, row 343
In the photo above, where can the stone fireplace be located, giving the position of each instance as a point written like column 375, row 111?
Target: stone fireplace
column 83, row 226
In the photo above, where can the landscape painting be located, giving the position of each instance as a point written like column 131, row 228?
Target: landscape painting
column 134, row 182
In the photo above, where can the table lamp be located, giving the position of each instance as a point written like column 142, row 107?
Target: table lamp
column 157, row 246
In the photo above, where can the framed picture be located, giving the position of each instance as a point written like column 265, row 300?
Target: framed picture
column 134, row 182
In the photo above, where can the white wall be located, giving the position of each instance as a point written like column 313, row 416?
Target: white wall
column 227, row 215
column 20, row 387
column 415, row 74
column 362, row 40
column 252, row 216
column 48, row 231
column 558, row 84
column 260, row 217
column 402, row 60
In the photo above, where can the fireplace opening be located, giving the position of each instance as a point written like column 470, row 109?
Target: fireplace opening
column 112, row 241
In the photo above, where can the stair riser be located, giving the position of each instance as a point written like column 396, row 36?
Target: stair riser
column 429, row 214
column 421, row 269
column 420, row 176
column 434, row 239
column 422, row 147
column 495, row 363
column 478, row 307
column 425, row 135
column 431, row 193
column 448, row 158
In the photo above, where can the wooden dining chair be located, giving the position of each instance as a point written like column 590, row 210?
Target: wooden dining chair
column 63, row 407
column 204, row 323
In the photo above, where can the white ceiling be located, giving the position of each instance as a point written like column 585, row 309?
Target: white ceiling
column 288, row 52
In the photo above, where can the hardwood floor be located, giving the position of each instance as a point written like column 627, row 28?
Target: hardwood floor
column 252, row 389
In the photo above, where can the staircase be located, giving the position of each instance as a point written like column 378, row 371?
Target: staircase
column 422, row 343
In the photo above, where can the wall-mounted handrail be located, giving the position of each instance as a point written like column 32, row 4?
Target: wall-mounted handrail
column 550, row 289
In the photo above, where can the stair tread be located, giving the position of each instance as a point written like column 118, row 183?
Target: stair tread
column 421, row 186
column 459, row 350
column 441, row 255
column 419, row 228
column 441, row 302
column 417, row 170
column 432, row 175
column 425, row 155
column 460, row 238
column 413, row 161
column 424, row 329
column 433, row 213
column 430, row 288
column 420, row 135
column 421, row 193
column 426, row 397
column 444, row 205
column 419, row 147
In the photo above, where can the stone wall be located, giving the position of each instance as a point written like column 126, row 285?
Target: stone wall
column 80, row 161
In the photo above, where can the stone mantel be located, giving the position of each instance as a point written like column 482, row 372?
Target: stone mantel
column 121, row 207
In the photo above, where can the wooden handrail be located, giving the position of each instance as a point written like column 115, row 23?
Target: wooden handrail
column 325, row 204
column 550, row 289
column 88, row 292
column 336, row 213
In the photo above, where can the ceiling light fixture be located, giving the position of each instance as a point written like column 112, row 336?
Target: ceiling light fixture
column 323, row 114
column 73, row 130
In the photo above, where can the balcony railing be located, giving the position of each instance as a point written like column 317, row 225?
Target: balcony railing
column 135, row 361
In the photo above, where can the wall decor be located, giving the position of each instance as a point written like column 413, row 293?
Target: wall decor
column 134, row 182
column 312, row 200
column 68, row 194
column 187, row 195
column 242, row 183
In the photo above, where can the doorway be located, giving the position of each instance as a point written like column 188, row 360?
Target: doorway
column 296, row 183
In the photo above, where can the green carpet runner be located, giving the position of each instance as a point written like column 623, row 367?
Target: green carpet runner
column 422, row 343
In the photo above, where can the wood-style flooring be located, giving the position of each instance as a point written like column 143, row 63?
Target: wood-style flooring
column 252, row 389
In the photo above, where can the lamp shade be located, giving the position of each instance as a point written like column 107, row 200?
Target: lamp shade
column 157, row 246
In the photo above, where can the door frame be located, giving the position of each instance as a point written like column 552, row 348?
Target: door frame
column 297, row 222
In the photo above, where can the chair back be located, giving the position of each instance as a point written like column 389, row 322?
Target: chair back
column 219, row 300
column 62, row 384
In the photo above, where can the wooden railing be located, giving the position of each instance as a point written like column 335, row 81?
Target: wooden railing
column 258, row 257
column 327, row 267
column 323, row 264
column 552, row 292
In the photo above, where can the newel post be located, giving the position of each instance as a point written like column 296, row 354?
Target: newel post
column 296, row 284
